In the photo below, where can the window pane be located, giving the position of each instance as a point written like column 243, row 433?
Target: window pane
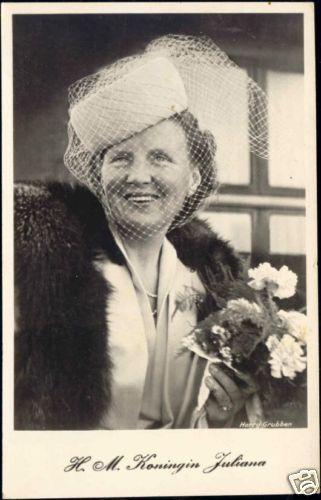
column 231, row 133
column 287, row 234
column 234, row 227
column 286, row 163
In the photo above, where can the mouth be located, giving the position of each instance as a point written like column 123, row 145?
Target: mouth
column 141, row 199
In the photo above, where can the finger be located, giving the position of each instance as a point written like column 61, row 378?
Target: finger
column 215, row 414
column 227, row 383
column 219, row 394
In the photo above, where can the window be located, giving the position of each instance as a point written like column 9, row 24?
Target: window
column 260, row 207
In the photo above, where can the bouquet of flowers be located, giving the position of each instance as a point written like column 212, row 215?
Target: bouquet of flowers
column 253, row 335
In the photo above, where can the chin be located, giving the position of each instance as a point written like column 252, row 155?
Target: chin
column 143, row 221
column 138, row 229
column 141, row 227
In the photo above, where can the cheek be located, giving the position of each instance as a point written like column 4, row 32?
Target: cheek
column 181, row 182
column 110, row 175
column 177, row 178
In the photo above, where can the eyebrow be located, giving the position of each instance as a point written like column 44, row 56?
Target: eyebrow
column 162, row 152
column 114, row 154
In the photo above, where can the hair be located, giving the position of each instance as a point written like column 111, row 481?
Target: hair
column 201, row 147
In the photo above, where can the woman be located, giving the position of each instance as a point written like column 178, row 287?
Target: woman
column 99, row 272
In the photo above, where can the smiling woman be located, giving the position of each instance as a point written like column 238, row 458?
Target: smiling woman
column 98, row 338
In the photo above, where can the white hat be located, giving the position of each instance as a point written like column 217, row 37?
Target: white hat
column 149, row 93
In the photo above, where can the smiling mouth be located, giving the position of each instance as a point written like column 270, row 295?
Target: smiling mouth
column 141, row 199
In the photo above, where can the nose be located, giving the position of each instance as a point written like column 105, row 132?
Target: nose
column 140, row 172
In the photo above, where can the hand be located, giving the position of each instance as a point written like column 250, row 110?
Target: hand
column 227, row 397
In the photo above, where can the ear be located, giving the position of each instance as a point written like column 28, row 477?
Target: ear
column 195, row 180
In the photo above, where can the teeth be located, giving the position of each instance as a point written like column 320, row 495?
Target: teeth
column 143, row 199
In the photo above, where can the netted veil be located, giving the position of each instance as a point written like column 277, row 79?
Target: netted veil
column 144, row 131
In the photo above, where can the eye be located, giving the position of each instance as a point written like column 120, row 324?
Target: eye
column 160, row 156
column 121, row 157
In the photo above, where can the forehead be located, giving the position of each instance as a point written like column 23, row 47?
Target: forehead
column 166, row 135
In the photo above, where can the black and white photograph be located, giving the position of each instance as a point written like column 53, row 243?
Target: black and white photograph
column 162, row 248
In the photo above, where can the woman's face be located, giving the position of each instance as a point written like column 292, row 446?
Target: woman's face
column 147, row 177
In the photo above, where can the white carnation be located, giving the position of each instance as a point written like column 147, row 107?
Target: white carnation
column 281, row 282
column 287, row 282
column 286, row 356
column 295, row 322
